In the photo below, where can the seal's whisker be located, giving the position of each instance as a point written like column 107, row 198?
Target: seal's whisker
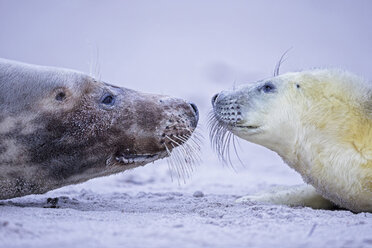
column 184, row 152
column 280, row 62
column 196, row 134
column 186, row 147
column 94, row 64
column 225, row 145
column 166, row 136
column 174, row 164
column 190, row 140
column 180, row 164
column 221, row 144
column 221, row 139
column 97, row 69
column 185, row 160
column 234, row 141
column 195, row 146
column 169, row 162
column 193, row 155
column 227, row 148
column 196, row 151
column 196, row 143
column 196, row 138
column 180, row 161
column 189, row 161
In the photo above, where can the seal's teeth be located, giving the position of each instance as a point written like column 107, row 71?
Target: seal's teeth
column 139, row 159
column 122, row 160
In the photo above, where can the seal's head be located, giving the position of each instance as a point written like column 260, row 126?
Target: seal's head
column 254, row 112
column 315, row 120
column 59, row 127
column 280, row 110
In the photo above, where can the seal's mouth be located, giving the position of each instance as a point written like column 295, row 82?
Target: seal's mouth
column 247, row 126
column 128, row 159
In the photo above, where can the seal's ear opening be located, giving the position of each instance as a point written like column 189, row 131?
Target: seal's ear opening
column 61, row 94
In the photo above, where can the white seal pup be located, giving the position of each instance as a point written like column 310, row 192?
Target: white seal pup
column 319, row 122
column 61, row 127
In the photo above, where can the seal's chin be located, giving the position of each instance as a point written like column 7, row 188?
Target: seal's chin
column 139, row 158
column 246, row 131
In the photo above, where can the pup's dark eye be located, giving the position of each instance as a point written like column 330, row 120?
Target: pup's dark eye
column 268, row 87
column 108, row 99
column 61, row 96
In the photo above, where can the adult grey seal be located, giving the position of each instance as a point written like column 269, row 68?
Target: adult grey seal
column 319, row 122
column 61, row 127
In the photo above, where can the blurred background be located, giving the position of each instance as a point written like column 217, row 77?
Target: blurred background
column 191, row 49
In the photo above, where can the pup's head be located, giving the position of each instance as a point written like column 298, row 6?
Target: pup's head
column 281, row 111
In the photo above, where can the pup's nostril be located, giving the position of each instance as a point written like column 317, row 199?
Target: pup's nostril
column 214, row 99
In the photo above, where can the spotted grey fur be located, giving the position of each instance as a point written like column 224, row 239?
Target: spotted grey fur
column 55, row 130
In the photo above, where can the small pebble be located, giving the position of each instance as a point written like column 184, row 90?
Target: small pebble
column 198, row 194
column 51, row 203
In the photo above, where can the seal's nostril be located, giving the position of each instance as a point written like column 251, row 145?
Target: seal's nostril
column 196, row 111
column 214, row 99
column 194, row 108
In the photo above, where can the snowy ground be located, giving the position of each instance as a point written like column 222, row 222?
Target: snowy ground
column 144, row 208
column 190, row 49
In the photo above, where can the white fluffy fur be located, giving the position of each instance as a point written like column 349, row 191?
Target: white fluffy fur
column 320, row 123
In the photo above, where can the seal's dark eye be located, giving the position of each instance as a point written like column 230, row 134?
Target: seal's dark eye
column 268, row 87
column 61, row 96
column 108, row 99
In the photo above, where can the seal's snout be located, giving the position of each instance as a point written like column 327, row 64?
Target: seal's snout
column 226, row 108
column 196, row 111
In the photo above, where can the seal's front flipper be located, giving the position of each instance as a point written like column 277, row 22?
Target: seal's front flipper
column 299, row 195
